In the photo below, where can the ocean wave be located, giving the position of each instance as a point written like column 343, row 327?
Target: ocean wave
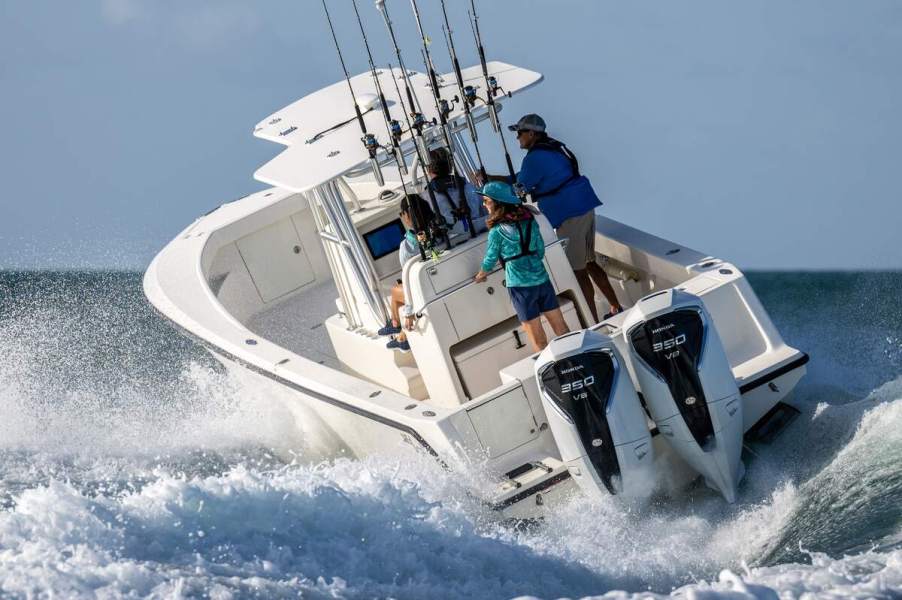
column 389, row 527
column 133, row 466
column 403, row 527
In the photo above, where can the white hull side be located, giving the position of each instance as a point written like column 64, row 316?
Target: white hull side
column 324, row 431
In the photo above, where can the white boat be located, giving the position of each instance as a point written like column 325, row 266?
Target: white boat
column 287, row 287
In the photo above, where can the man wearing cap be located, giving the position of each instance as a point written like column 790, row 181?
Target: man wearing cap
column 550, row 174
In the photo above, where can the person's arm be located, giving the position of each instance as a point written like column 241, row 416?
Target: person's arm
column 502, row 178
column 492, row 253
column 531, row 173
column 408, row 248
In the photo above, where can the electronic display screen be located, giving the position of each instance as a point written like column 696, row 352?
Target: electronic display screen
column 384, row 240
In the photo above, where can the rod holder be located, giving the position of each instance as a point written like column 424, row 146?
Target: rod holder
column 493, row 117
column 423, row 149
column 399, row 158
column 472, row 126
column 377, row 171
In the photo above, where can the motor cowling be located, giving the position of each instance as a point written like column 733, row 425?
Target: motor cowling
column 595, row 415
column 687, row 384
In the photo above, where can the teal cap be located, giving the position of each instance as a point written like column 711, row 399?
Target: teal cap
column 499, row 192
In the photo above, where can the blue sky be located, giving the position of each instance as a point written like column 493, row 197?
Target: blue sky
column 768, row 133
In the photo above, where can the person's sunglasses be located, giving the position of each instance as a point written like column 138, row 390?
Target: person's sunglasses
column 521, row 132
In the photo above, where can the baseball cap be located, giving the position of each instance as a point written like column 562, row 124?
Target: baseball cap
column 530, row 122
column 499, row 192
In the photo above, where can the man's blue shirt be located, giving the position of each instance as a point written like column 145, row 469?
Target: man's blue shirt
column 544, row 170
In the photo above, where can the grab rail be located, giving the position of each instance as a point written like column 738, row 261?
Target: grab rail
column 333, row 238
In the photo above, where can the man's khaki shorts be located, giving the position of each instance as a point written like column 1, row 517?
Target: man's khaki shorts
column 580, row 232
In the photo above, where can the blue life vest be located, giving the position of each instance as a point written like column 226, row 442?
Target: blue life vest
column 550, row 173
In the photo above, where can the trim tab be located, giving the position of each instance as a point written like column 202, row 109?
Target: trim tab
column 544, row 485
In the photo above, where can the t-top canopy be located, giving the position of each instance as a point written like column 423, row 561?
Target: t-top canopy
column 321, row 129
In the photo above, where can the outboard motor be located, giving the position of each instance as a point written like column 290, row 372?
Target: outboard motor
column 595, row 415
column 687, row 384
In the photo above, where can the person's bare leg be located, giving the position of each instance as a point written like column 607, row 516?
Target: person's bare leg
column 604, row 284
column 397, row 301
column 556, row 320
column 536, row 333
column 585, row 284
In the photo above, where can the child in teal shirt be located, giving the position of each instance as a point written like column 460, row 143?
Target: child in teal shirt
column 515, row 240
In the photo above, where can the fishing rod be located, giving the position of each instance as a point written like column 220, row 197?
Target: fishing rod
column 318, row 136
column 443, row 107
column 467, row 92
column 419, row 121
column 369, row 140
column 437, row 226
column 492, row 87
column 393, row 127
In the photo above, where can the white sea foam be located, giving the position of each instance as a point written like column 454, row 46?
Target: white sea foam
column 363, row 529
column 401, row 527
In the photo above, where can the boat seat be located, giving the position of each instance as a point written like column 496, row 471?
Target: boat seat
column 365, row 354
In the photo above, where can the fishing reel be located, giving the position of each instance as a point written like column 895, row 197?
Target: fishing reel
column 470, row 96
column 372, row 146
column 419, row 121
column 495, row 89
column 444, row 107
column 455, row 101
column 396, row 131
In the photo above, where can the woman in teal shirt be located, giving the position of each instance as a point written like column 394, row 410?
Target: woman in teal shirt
column 515, row 240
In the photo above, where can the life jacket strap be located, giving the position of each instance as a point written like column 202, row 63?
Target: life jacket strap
column 443, row 186
column 525, row 239
column 554, row 145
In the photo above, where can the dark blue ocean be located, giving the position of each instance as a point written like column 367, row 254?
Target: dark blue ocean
column 132, row 465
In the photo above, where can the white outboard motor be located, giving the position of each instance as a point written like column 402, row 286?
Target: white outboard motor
column 687, row 383
column 595, row 415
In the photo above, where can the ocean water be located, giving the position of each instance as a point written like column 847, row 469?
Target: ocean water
column 131, row 465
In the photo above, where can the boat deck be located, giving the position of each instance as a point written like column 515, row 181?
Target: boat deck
column 297, row 324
